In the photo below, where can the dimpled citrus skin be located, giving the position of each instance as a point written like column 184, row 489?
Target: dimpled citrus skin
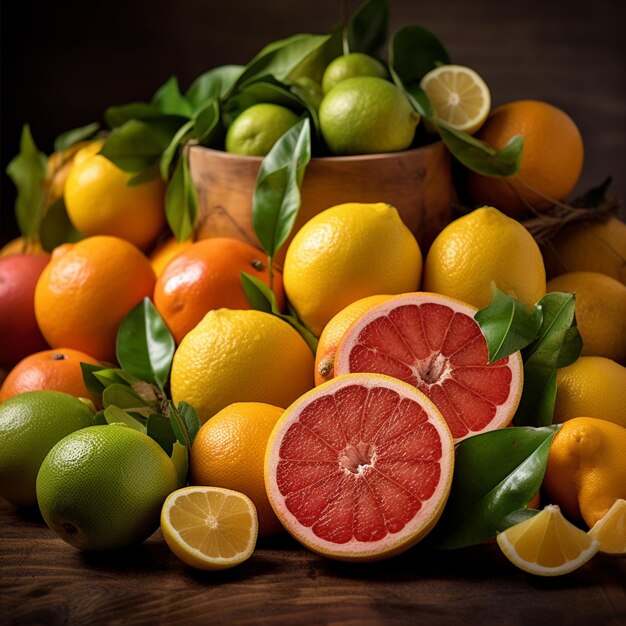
column 54, row 370
column 240, row 356
column 366, row 114
column 346, row 253
column 87, row 289
column 102, row 488
column 600, row 312
column 586, row 472
column 100, row 201
column 229, row 452
column 593, row 386
column 589, row 246
column 349, row 66
column 30, row 425
column 478, row 248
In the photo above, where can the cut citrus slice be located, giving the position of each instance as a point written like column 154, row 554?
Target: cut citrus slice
column 610, row 531
column 547, row 544
column 208, row 527
column 433, row 342
column 459, row 96
column 360, row 467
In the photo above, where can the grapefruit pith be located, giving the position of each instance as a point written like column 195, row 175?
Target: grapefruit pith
column 360, row 467
column 432, row 342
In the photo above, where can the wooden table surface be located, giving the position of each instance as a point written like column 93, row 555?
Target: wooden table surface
column 44, row 581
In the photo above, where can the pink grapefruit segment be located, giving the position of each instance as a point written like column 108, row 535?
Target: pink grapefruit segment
column 433, row 343
column 360, row 467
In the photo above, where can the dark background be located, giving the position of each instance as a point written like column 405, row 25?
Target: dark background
column 63, row 63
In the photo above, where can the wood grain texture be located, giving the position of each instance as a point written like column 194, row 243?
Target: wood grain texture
column 44, row 581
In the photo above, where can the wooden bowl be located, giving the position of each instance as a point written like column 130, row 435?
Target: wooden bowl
column 417, row 182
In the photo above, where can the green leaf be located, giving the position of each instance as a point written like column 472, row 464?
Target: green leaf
column 180, row 459
column 118, row 115
column 212, row 85
column 137, row 144
column 28, row 172
column 145, row 347
column 91, row 382
column 208, row 129
column 495, row 474
column 99, row 419
column 181, row 200
column 145, row 176
column 508, row 324
column 367, row 28
column 110, row 376
column 281, row 58
column 69, row 138
column 56, row 227
column 159, row 428
column 179, row 426
column 125, row 398
column 262, row 298
column 517, row 517
column 115, row 415
column 170, row 101
column 478, row 156
column 190, row 419
column 557, row 345
column 413, row 52
column 178, row 140
column 276, row 198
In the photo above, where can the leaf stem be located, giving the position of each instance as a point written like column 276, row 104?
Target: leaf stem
column 344, row 21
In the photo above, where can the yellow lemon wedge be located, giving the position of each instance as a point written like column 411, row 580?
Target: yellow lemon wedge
column 209, row 528
column 547, row 544
column 459, row 96
column 610, row 531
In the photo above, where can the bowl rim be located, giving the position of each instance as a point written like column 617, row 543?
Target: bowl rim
column 436, row 145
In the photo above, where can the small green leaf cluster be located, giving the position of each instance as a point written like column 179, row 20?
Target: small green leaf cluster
column 135, row 394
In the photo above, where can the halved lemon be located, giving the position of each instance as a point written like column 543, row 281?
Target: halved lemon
column 208, row 527
column 610, row 531
column 547, row 544
column 459, row 96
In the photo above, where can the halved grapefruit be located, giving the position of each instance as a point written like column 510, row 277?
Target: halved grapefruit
column 360, row 467
column 432, row 342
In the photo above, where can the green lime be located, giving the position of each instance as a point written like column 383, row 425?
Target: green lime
column 102, row 488
column 309, row 90
column 255, row 131
column 30, row 424
column 365, row 115
column 349, row 66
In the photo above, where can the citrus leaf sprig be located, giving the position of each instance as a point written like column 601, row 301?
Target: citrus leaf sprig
column 548, row 338
column 136, row 393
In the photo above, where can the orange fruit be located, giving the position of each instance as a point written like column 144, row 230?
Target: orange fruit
column 86, row 291
column 100, row 201
column 54, row 370
column 207, row 276
column 433, row 343
column 165, row 252
column 600, row 312
column 551, row 163
column 334, row 331
column 360, row 468
column 589, row 246
column 481, row 248
column 229, row 451
column 586, row 472
column 20, row 333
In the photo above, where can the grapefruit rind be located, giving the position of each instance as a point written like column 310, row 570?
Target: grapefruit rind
column 505, row 410
column 393, row 543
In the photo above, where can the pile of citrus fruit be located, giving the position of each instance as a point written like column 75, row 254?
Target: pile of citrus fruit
column 337, row 407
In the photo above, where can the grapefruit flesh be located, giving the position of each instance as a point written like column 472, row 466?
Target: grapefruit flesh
column 360, row 467
column 433, row 343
